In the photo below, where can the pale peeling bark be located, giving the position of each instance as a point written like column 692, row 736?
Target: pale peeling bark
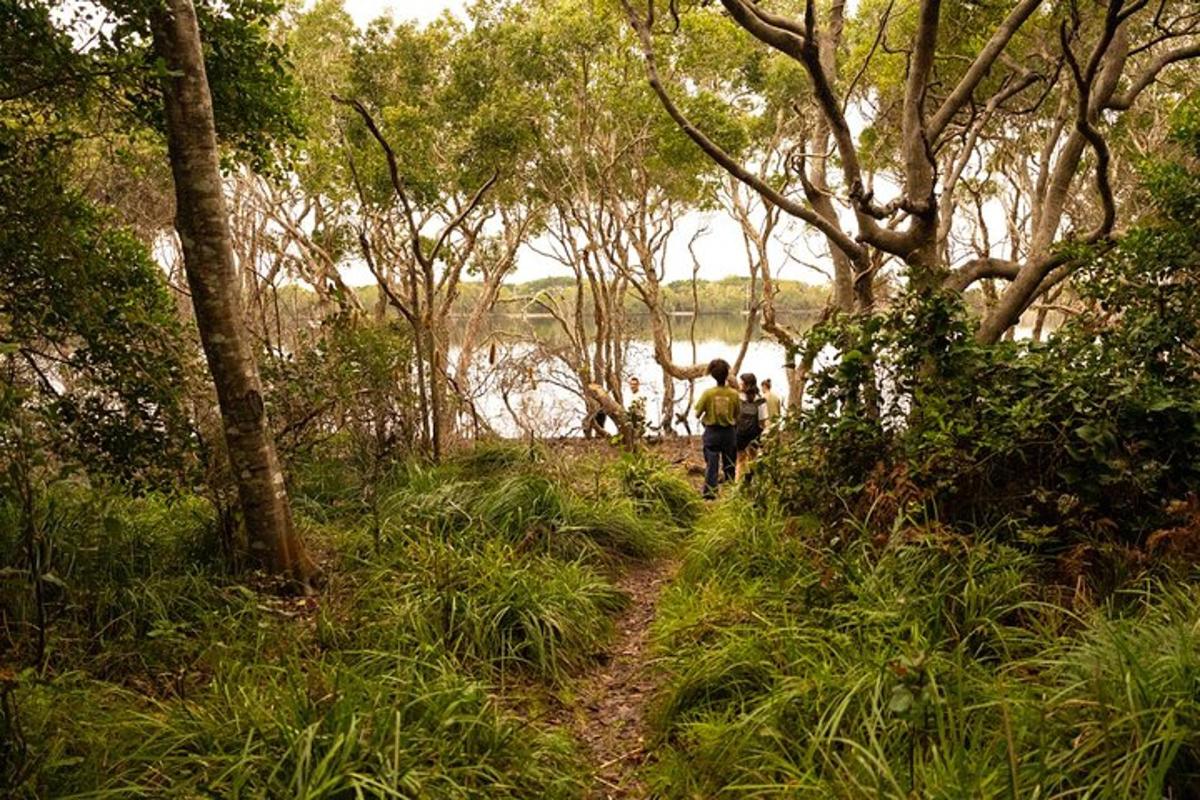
column 202, row 222
column 629, row 436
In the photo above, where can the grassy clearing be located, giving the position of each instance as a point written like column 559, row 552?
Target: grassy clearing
column 168, row 677
column 930, row 667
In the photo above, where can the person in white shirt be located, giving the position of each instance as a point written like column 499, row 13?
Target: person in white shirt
column 637, row 407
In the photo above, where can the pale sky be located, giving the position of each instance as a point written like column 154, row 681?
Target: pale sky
column 364, row 11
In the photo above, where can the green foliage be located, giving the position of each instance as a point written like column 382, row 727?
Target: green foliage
column 932, row 667
column 116, row 79
column 379, row 724
column 659, row 490
column 523, row 506
column 490, row 607
column 1073, row 439
column 168, row 676
column 721, row 302
column 91, row 340
column 454, row 103
column 1150, row 282
column 488, row 458
column 1086, row 441
column 254, row 94
column 344, row 407
column 127, row 577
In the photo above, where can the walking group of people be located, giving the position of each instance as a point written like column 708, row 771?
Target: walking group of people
column 735, row 413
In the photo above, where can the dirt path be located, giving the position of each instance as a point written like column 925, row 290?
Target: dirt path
column 608, row 714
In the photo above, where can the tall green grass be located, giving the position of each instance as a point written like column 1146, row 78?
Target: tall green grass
column 932, row 667
column 369, row 724
column 526, row 508
column 659, row 489
column 170, row 676
column 489, row 608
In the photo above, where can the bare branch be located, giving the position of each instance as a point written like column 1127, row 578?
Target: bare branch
column 393, row 172
column 980, row 67
column 837, row 236
column 1088, row 131
column 1149, row 74
column 771, row 29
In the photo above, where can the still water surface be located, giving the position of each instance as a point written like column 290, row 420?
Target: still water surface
column 545, row 401
column 545, row 404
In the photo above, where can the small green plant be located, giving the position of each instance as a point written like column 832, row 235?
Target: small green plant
column 659, row 490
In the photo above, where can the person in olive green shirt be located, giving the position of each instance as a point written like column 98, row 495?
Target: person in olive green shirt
column 717, row 409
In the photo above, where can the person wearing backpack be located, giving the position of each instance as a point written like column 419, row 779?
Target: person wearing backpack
column 717, row 409
column 751, row 420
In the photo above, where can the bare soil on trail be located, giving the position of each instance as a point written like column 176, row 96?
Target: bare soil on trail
column 607, row 716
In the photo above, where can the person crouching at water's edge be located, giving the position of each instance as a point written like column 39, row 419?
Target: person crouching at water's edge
column 717, row 409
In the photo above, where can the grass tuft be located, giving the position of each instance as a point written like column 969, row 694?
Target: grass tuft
column 170, row 676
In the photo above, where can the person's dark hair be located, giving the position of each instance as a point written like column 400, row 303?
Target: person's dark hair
column 718, row 368
column 766, row 384
column 749, row 385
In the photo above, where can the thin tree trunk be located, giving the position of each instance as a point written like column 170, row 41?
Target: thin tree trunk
column 437, row 385
column 419, row 347
column 202, row 221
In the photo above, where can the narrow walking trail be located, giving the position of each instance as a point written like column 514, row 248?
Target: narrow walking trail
column 608, row 715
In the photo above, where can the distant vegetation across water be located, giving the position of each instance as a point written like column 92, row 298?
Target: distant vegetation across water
column 728, row 295
column 725, row 296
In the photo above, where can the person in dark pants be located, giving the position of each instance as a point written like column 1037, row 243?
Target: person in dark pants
column 717, row 409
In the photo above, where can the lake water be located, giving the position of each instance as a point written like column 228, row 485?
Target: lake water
column 544, row 397
column 529, row 393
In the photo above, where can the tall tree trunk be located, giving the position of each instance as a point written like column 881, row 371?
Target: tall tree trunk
column 203, row 225
column 437, row 366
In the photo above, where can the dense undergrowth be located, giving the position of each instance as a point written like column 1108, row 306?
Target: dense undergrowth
column 935, row 665
column 166, row 675
column 964, row 570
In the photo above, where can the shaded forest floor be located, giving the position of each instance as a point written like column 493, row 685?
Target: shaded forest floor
column 565, row 621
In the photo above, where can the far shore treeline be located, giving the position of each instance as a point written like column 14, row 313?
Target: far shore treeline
column 728, row 295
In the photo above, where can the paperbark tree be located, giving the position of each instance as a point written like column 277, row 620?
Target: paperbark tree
column 1064, row 74
column 426, row 298
column 435, row 128
column 620, row 180
column 202, row 222
column 590, row 315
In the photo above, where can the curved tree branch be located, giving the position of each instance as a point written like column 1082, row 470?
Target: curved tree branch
column 1124, row 100
column 980, row 67
column 835, row 234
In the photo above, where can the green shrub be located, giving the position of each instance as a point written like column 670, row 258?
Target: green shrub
column 658, row 489
column 1071, row 437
